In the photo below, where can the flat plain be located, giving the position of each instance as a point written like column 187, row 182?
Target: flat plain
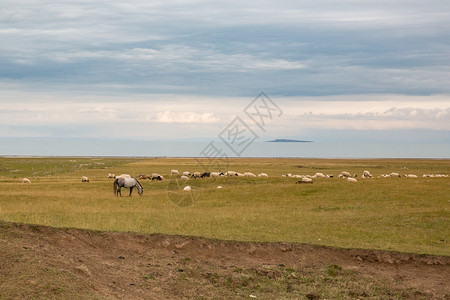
column 407, row 216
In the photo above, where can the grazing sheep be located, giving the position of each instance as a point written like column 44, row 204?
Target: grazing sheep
column 319, row 175
column 366, row 174
column 144, row 176
column 183, row 177
column 186, row 173
column 174, row 172
column 219, row 187
column 435, row 175
column 206, row 174
column 305, row 180
column 216, row 174
column 330, row 176
column 231, row 173
column 196, row 175
column 411, row 176
column 26, row 180
column 123, row 176
column 84, row 179
column 349, row 179
column 344, row 174
column 156, row 176
column 249, row 174
column 239, row 174
column 393, row 174
column 110, row 175
column 263, row 175
column 187, row 188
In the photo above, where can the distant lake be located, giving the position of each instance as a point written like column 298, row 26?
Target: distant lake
column 87, row 147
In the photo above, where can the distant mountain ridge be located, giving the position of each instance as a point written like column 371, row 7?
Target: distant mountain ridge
column 288, row 141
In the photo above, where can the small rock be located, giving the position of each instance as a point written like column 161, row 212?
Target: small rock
column 312, row 296
column 83, row 269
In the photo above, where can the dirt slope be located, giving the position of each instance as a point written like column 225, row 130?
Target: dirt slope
column 43, row 262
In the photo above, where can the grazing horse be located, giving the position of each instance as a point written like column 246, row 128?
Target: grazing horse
column 127, row 183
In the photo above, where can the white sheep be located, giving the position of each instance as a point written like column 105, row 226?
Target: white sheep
column 231, row 173
column 239, row 174
column 196, row 175
column 263, row 175
column 174, row 172
column 187, row 188
column 366, row 174
column 186, row 173
column 349, row 179
column 123, row 176
column 156, row 176
column 305, row 180
column 110, row 175
column 183, row 177
column 249, row 174
column 394, row 174
column 215, row 174
column 84, row 179
column 26, row 180
column 344, row 174
column 411, row 176
column 219, row 187
column 319, row 175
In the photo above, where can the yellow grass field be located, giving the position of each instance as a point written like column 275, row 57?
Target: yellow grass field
column 401, row 214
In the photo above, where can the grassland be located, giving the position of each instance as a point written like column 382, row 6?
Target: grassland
column 401, row 214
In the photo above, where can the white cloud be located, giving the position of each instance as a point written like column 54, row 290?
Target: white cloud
column 104, row 114
column 186, row 117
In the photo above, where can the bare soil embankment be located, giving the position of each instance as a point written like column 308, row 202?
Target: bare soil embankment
column 43, row 262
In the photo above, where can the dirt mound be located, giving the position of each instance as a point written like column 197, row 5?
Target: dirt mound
column 44, row 262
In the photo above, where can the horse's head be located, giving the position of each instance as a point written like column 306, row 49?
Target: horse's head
column 140, row 191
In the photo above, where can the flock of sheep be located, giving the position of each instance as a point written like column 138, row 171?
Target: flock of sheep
column 195, row 175
column 303, row 178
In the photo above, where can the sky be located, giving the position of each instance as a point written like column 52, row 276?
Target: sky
column 155, row 70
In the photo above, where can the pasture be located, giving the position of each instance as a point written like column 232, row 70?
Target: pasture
column 400, row 214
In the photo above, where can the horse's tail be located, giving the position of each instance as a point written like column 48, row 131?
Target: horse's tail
column 116, row 183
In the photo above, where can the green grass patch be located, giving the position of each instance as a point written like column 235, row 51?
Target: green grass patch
column 408, row 215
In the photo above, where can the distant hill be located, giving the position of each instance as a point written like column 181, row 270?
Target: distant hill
column 288, row 141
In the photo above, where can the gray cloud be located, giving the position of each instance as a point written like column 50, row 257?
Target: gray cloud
column 198, row 47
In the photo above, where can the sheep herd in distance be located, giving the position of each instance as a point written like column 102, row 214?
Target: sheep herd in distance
column 186, row 175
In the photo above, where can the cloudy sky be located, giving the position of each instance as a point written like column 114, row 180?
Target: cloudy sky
column 149, row 70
